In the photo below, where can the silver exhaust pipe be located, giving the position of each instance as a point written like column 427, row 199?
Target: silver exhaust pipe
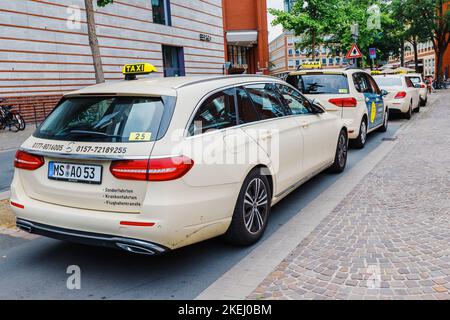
column 135, row 249
column 24, row 227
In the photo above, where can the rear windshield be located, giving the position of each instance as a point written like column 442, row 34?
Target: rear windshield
column 388, row 82
column 415, row 80
column 320, row 83
column 104, row 119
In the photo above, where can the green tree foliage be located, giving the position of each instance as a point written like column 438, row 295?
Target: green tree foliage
column 311, row 20
column 433, row 12
column 414, row 28
column 324, row 22
column 102, row 3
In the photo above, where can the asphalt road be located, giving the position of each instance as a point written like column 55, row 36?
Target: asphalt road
column 37, row 269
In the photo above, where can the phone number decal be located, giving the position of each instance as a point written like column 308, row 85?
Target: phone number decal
column 102, row 150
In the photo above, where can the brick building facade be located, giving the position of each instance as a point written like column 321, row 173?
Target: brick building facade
column 45, row 53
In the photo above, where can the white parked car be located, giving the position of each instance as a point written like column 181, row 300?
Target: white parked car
column 156, row 164
column 417, row 80
column 403, row 96
column 351, row 94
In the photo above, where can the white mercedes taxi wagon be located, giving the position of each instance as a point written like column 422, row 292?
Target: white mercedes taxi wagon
column 155, row 164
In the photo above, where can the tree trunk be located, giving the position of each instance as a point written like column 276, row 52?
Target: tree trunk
column 402, row 53
column 416, row 56
column 93, row 42
column 313, row 45
column 440, row 62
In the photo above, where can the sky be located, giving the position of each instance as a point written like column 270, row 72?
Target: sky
column 274, row 31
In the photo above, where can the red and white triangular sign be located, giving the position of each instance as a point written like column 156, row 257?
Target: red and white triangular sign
column 354, row 53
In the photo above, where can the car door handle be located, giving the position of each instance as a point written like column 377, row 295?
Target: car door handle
column 304, row 124
column 265, row 136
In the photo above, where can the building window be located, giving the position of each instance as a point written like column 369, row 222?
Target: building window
column 291, row 52
column 238, row 56
column 161, row 12
column 173, row 59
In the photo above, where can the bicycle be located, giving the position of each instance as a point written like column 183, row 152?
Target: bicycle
column 10, row 118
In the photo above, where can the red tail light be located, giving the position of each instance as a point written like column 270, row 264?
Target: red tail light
column 400, row 95
column 27, row 161
column 344, row 102
column 164, row 169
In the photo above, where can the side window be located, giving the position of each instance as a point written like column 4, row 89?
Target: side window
column 361, row 83
column 216, row 113
column 247, row 113
column 266, row 101
column 373, row 85
column 409, row 83
column 294, row 100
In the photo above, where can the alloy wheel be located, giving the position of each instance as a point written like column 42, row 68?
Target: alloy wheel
column 342, row 150
column 255, row 206
column 363, row 132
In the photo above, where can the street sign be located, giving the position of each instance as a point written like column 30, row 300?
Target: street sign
column 373, row 53
column 354, row 53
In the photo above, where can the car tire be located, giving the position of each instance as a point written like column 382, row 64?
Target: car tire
column 424, row 102
column 417, row 110
column 340, row 158
column 385, row 125
column 408, row 115
column 360, row 141
column 250, row 220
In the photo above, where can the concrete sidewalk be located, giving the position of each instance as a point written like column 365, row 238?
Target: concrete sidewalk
column 389, row 237
column 12, row 140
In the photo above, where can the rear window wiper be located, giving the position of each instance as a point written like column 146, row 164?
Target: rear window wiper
column 95, row 133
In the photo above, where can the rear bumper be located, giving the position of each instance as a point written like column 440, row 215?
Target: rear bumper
column 89, row 238
column 399, row 106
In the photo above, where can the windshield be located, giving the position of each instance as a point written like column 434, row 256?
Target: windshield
column 388, row 82
column 320, row 83
column 104, row 119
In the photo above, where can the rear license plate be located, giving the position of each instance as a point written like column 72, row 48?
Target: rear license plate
column 79, row 173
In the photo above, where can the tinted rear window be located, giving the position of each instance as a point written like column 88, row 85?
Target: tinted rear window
column 388, row 82
column 104, row 119
column 320, row 83
column 415, row 80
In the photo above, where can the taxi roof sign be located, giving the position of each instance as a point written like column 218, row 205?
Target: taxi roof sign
column 132, row 70
column 310, row 65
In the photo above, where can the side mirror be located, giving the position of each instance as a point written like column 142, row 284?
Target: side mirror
column 317, row 108
column 384, row 93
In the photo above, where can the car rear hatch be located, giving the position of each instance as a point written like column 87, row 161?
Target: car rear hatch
column 88, row 145
column 330, row 88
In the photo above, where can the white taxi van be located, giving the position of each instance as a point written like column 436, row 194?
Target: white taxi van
column 155, row 164
column 351, row 94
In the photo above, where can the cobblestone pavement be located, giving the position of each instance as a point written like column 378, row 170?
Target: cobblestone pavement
column 390, row 237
